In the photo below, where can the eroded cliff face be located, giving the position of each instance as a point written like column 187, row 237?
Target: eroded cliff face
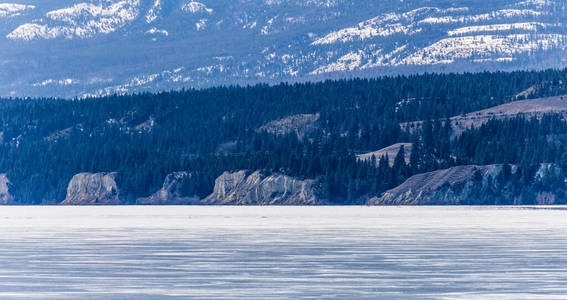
column 245, row 188
column 5, row 196
column 171, row 193
column 478, row 185
column 298, row 124
column 92, row 189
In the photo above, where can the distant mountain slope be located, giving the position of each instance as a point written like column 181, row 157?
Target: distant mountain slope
column 71, row 48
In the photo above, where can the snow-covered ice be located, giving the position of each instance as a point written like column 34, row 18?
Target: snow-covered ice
column 283, row 253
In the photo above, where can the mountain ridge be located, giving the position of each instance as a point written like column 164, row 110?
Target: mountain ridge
column 97, row 48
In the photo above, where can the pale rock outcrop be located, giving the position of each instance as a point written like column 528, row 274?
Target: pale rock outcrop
column 298, row 124
column 525, row 108
column 548, row 171
column 477, row 185
column 93, row 189
column 244, row 188
column 5, row 196
column 171, row 192
column 437, row 187
column 391, row 152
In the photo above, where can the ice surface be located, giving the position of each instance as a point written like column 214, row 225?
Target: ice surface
column 283, row 253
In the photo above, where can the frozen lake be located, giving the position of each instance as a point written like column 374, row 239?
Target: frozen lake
column 283, row 253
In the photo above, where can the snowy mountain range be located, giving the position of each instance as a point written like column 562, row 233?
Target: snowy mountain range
column 76, row 49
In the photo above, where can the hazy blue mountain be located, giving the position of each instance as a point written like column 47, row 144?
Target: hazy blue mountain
column 98, row 47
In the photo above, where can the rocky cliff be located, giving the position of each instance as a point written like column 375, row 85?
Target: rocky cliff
column 92, row 189
column 479, row 185
column 171, row 193
column 5, row 196
column 245, row 188
column 298, row 124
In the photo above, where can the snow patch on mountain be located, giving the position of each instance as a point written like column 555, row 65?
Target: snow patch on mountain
column 196, row 8
column 201, row 25
column 211, row 69
column 384, row 25
column 489, row 46
column 366, row 58
column 116, row 12
column 495, row 15
column 478, row 49
column 66, row 81
column 537, row 3
column 172, row 75
column 473, row 35
column 154, row 11
column 269, row 27
column 348, row 62
column 322, row 3
column 82, row 20
column 154, row 30
column 527, row 26
column 378, row 59
column 29, row 31
column 8, row 10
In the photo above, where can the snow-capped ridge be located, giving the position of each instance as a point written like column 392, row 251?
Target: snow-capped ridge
column 196, row 8
column 526, row 26
column 450, row 49
column 495, row 15
column 13, row 9
column 81, row 20
column 384, row 25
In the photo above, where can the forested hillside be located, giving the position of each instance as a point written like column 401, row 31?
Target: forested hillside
column 145, row 137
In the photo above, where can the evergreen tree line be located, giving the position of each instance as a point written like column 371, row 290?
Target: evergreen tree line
column 144, row 137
